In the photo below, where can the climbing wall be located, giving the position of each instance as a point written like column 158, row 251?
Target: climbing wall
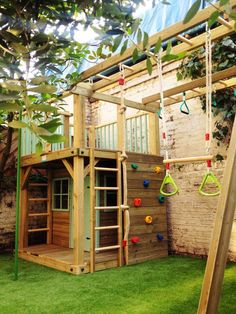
column 148, row 222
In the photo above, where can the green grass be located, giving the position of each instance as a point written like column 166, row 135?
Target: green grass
column 170, row 285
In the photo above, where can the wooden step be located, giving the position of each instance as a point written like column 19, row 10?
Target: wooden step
column 106, row 169
column 38, row 214
column 107, row 227
column 38, row 199
column 106, row 207
column 38, row 230
column 106, row 248
column 106, row 188
column 38, row 184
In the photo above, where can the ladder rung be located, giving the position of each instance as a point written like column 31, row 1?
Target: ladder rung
column 38, row 230
column 106, row 248
column 38, row 214
column 106, row 188
column 39, row 199
column 106, row 207
column 107, row 227
column 38, row 184
column 106, row 169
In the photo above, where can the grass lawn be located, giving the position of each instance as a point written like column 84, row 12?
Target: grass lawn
column 170, row 285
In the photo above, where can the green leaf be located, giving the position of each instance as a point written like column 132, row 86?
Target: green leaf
column 124, row 47
column 157, row 46
column 17, row 124
column 7, row 97
column 223, row 2
column 43, row 107
column 145, row 40
column 117, row 42
column 233, row 16
column 19, row 48
column 169, row 47
column 170, row 57
column 38, row 80
column 55, row 138
column 135, row 55
column 52, row 125
column 12, row 86
column 149, row 66
column 213, row 18
column 192, row 11
column 9, row 106
column 235, row 26
column 139, row 36
column 43, row 89
column 39, row 148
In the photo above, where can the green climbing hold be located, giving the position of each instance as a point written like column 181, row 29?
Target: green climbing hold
column 134, row 166
column 161, row 199
column 235, row 92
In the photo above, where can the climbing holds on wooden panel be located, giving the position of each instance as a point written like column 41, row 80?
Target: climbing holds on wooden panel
column 146, row 183
column 157, row 169
column 134, row 166
column 148, row 220
column 161, row 199
column 135, row 240
column 137, row 202
column 160, row 237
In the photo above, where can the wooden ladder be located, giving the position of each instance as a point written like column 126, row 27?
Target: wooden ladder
column 48, row 212
column 94, row 208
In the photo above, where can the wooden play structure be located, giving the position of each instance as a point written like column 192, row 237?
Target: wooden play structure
column 94, row 203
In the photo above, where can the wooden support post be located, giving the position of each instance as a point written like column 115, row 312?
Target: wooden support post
column 154, row 134
column 119, row 210
column 214, row 274
column 79, row 121
column 78, row 201
column 49, row 208
column 67, row 130
column 69, row 167
column 26, row 177
column 78, row 186
column 92, row 210
column 23, row 234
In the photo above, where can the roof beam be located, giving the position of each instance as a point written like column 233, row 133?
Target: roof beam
column 165, row 34
column 190, row 85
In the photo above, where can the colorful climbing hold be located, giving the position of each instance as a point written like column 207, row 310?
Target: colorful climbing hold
column 148, row 220
column 235, row 92
column 146, row 183
column 135, row 240
column 161, row 199
column 160, row 237
column 137, row 202
column 124, row 243
column 134, row 166
column 157, row 169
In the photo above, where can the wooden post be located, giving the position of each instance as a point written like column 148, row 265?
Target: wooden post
column 119, row 129
column 67, row 130
column 49, row 208
column 154, row 134
column 78, row 186
column 79, row 121
column 217, row 258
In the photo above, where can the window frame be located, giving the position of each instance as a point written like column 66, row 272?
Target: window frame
column 68, row 194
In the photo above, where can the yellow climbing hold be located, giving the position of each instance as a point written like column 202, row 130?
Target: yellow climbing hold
column 148, row 220
column 157, row 169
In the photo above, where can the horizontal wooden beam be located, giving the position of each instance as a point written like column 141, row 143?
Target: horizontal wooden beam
column 198, row 41
column 88, row 92
column 187, row 159
column 165, row 34
column 190, row 85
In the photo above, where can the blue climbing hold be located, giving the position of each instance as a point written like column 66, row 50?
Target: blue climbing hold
column 161, row 199
column 146, row 183
column 160, row 237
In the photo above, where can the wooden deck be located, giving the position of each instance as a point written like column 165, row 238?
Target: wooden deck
column 61, row 258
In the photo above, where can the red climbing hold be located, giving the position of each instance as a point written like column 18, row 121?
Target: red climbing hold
column 135, row 240
column 124, row 243
column 207, row 136
column 137, row 202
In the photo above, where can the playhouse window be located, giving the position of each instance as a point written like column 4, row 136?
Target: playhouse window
column 61, row 194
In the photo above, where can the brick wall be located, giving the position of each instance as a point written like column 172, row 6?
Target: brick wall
column 190, row 215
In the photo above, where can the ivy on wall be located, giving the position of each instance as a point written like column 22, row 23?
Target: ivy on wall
column 224, row 101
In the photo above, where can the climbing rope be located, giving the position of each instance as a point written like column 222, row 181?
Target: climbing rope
column 168, row 178
column 124, row 206
column 209, row 177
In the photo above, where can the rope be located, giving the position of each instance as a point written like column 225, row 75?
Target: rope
column 208, row 135
column 124, row 157
column 162, row 108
